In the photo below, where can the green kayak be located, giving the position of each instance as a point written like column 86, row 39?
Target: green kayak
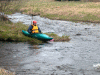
column 39, row 36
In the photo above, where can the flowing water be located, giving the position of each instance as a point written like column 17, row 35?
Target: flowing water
column 75, row 57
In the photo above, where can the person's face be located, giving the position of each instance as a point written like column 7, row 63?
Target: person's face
column 34, row 23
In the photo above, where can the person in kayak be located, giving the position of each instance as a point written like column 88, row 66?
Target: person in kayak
column 34, row 28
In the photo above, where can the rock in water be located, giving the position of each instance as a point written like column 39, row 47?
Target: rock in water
column 97, row 67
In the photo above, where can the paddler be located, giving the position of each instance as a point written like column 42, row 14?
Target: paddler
column 34, row 28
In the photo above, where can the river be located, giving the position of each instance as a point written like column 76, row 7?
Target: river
column 75, row 57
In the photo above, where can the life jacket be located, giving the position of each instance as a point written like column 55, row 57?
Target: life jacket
column 35, row 29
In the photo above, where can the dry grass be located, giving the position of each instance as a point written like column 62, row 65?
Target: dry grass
column 6, row 72
column 86, row 11
column 83, row 11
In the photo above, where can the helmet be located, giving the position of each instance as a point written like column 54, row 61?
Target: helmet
column 34, row 22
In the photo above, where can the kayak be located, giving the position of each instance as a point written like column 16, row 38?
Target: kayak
column 39, row 36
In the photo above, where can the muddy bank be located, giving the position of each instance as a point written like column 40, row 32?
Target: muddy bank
column 4, row 18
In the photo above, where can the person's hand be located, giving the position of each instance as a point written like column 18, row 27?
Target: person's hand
column 41, row 32
column 31, row 33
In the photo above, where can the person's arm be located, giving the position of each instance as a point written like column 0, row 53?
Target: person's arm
column 29, row 29
column 39, row 29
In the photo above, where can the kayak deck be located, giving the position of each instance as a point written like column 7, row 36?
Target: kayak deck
column 39, row 36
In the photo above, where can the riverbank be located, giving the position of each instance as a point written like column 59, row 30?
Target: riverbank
column 13, row 32
column 64, row 10
column 6, row 72
column 58, row 38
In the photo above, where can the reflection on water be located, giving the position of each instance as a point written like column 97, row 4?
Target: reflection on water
column 34, row 47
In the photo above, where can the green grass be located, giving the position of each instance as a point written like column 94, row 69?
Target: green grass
column 36, row 10
column 50, row 16
column 58, row 38
column 13, row 32
column 87, row 17
column 46, row 8
column 25, row 11
column 91, row 5
column 13, row 6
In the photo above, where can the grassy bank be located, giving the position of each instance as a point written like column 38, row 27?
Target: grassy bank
column 58, row 38
column 72, row 10
column 13, row 32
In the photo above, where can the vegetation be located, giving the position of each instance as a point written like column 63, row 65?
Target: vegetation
column 58, row 38
column 11, row 6
column 62, row 10
column 5, row 72
column 13, row 32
